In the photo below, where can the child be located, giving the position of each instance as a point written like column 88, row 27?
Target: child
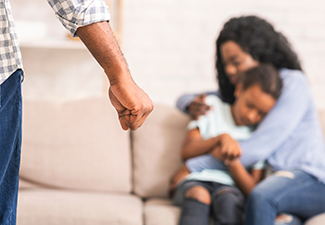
column 205, row 180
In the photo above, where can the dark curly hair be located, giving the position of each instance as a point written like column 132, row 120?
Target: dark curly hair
column 264, row 75
column 258, row 38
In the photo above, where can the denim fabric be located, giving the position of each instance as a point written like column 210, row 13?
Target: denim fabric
column 227, row 204
column 215, row 188
column 294, row 192
column 10, row 142
column 194, row 213
column 179, row 193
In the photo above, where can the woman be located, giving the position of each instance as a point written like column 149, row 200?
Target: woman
column 289, row 137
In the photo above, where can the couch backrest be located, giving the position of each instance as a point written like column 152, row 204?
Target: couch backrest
column 75, row 145
column 156, row 151
column 80, row 145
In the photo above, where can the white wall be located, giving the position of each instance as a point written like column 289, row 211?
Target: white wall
column 54, row 69
column 170, row 44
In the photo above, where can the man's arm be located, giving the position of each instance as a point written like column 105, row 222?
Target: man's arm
column 88, row 19
column 131, row 102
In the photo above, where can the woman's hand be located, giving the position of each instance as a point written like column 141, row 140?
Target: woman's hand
column 198, row 107
column 226, row 149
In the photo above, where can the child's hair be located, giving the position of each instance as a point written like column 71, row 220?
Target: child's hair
column 264, row 75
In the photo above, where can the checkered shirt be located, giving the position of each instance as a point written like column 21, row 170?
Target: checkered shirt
column 72, row 14
column 78, row 13
column 10, row 57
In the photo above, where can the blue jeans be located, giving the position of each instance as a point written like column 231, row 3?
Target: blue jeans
column 227, row 204
column 224, row 209
column 294, row 192
column 10, row 142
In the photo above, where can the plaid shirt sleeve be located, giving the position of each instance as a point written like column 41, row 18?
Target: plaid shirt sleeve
column 77, row 13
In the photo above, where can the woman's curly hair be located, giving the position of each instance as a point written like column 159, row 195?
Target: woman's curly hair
column 258, row 38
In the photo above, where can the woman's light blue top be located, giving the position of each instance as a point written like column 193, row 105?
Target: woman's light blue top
column 290, row 136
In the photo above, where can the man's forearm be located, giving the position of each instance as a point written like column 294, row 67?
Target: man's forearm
column 100, row 41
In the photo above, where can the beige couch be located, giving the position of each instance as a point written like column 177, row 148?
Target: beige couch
column 78, row 167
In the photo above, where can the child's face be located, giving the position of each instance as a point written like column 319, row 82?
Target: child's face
column 251, row 105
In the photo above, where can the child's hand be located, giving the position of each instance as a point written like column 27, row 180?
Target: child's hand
column 216, row 152
column 227, row 149
column 198, row 107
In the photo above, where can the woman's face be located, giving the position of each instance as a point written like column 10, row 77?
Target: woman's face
column 235, row 60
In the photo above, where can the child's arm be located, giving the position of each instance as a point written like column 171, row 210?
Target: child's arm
column 226, row 145
column 244, row 180
column 194, row 145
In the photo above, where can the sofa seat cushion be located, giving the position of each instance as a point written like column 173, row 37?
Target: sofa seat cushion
column 75, row 145
column 159, row 211
column 58, row 207
column 316, row 220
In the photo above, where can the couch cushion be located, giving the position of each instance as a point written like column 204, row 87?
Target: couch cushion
column 160, row 212
column 58, row 207
column 156, row 151
column 23, row 184
column 75, row 145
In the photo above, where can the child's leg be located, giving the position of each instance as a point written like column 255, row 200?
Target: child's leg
column 228, row 206
column 194, row 212
column 287, row 219
column 179, row 176
column 194, row 199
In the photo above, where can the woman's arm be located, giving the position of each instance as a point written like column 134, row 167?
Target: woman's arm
column 282, row 120
column 194, row 104
column 194, row 145
column 244, row 180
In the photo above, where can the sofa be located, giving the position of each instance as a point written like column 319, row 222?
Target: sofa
column 78, row 167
